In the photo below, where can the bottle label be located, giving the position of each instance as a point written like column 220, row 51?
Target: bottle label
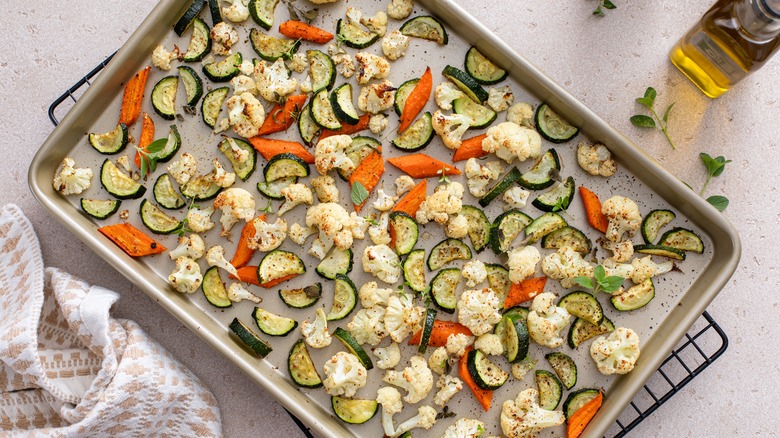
column 720, row 59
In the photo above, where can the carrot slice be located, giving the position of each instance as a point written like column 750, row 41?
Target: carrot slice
column 281, row 117
column 243, row 252
column 524, row 291
column 347, row 129
column 300, row 30
column 269, row 148
column 596, row 218
column 146, row 138
column 410, row 203
column 368, row 173
column 483, row 396
column 579, row 420
column 417, row 100
column 440, row 332
column 132, row 240
column 274, row 282
column 469, row 148
column 423, row 166
column 247, row 274
column 133, row 97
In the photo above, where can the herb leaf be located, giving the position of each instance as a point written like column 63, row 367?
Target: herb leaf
column 649, row 97
column 668, row 110
column 642, row 121
column 608, row 4
column 719, row 202
column 358, row 193
column 584, row 282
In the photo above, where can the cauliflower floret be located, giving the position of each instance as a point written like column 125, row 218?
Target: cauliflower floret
column 478, row 176
column 416, row 379
column 388, row 357
column 220, row 176
column 425, row 419
column 546, row 321
column 622, row 251
column 509, row 141
column 451, row 127
column 616, row 354
column 223, row 36
column 183, row 169
column 489, row 344
column 377, row 123
column 316, row 332
column 237, row 293
column 191, row 246
column 402, row 318
column 384, row 202
column 274, row 81
column 186, row 278
column 500, row 98
column 294, row 195
column 448, row 387
column 71, row 181
column 305, row 85
column 245, row 113
column 445, row 93
column 439, row 361
column 243, row 84
column 516, row 197
column 320, row 247
column 390, row 399
column 345, row 64
column 124, row 162
column 334, row 223
column 268, row 236
column 237, row 12
column 367, row 326
column 240, row 155
column 645, row 268
column 377, row 23
column 565, row 265
column 162, row 58
column 298, row 62
column 371, row 66
column 478, row 309
column 298, row 234
column 325, row 188
column 215, row 256
column 457, row 227
column 465, row 428
column 382, row 262
column 521, row 114
column 330, row 153
column 379, row 232
column 522, row 368
column 235, row 204
column 199, row 220
column 623, row 215
column 353, row 16
column 403, row 184
column 394, row 45
column 474, row 272
column 446, row 199
column 376, row 98
column 247, row 67
column 612, row 268
column 359, row 226
column 457, row 344
column 344, row 375
column 596, row 159
column 524, row 418
column 371, row 295
column 400, row 9
column 522, row 263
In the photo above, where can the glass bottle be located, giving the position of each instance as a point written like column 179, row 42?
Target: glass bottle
column 733, row 39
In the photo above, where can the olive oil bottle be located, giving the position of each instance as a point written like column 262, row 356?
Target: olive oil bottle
column 733, row 39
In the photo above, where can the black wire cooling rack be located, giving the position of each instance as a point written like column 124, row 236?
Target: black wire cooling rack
column 702, row 345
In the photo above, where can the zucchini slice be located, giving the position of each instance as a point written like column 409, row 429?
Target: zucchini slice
column 249, row 338
column 216, row 13
column 550, row 389
column 262, row 11
column 443, row 289
column 200, row 188
column 513, row 332
column 402, row 93
column 416, row 136
column 338, row 261
column 479, row 226
column 285, row 165
column 111, row 142
column 273, row 190
column 279, row 265
column 172, row 145
column 193, row 85
column 100, row 208
column 212, row 105
column 200, row 41
column 360, row 148
column 446, row 251
column 660, row 250
column 430, row 319
column 225, row 70
column 653, row 222
column 544, row 225
column 245, row 168
column 353, row 411
column 322, row 111
column 414, row 271
column 301, row 367
column 506, row 228
column 564, row 368
column 517, row 313
column 635, row 297
column 682, row 239
column 351, row 344
column 482, row 69
column 582, row 330
column 583, row 305
column 577, row 399
column 482, row 115
column 272, row 48
column 425, row 27
column 553, row 127
column 301, row 298
column 466, row 83
column 321, row 69
column 568, row 236
column 498, row 279
column 341, row 101
column 558, row 198
column 486, row 374
column 540, row 177
column 189, row 15
column 272, row 324
column 164, row 97
column 497, row 190
column 403, row 231
column 345, row 298
column 353, row 36
column 214, row 289
column 165, row 195
column 156, row 220
column 119, row 184
column 306, row 126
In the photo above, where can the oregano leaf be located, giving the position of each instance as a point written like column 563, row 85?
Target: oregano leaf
column 358, row 193
column 719, row 202
column 642, row 121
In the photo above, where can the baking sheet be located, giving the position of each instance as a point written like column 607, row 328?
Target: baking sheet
column 680, row 296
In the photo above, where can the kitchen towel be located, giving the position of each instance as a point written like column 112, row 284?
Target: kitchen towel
column 68, row 369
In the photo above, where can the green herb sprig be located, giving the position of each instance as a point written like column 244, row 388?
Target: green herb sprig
column 606, row 4
column 149, row 156
column 644, row 121
column 600, row 282
column 358, row 193
column 715, row 167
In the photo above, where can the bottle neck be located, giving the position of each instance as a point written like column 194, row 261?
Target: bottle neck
column 759, row 18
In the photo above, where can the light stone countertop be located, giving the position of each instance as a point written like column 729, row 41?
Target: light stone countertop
column 605, row 62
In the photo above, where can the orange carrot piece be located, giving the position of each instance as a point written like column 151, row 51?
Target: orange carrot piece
column 483, row 396
column 281, row 117
column 133, row 97
column 243, row 252
column 300, row 30
column 596, row 218
column 440, row 332
column 470, row 148
column 524, row 291
column 368, row 173
column 269, row 148
column 132, row 240
column 423, row 166
column 416, row 100
column 274, row 282
column 576, row 424
column 410, row 203
column 146, row 138
column 347, row 129
column 247, row 274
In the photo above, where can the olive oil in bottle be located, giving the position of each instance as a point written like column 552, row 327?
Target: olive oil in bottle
column 732, row 40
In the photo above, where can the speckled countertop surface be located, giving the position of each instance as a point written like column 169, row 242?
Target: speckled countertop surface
column 605, row 62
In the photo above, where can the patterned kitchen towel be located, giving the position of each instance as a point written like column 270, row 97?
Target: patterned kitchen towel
column 68, row 369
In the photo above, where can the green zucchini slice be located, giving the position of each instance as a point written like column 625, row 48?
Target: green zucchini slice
column 543, row 225
column 271, row 48
column 430, row 319
column 119, row 184
column 425, row 27
column 583, row 305
column 338, row 261
column 164, row 97
column 243, row 169
column 540, row 176
column 506, row 228
column 550, row 389
column 172, row 145
column 273, row 324
column 482, row 115
column 200, row 41
column 404, row 228
column 278, row 264
column 446, row 251
column 262, row 11
column 100, row 208
column 443, row 289
column 517, row 313
column 653, row 222
column 414, row 271
column 564, row 368
column 345, row 298
column 486, row 374
column 285, row 165
column 482, row 69
column 360, row 148
column 466, row 83
column 353, row 347
column 416, row 136
column 553, row 127
column 682, row 239
column 273, row 190
column 111, row 142
column 402, row 93
column 216, row 13
column 577, row 399
column 353, row 36
column 189, row 15
column 322, row 111
column 570, row 237
column 321, row 69
column 513, row 332
column 306, row 126
column 498, row 279
column 353, row 411
column 582, row 330
column 635, row 297
column 301, row 298
column 660, row 250
column 193, row 85
column 497, row 190
column 212, row 105
column 249, row 338
column 301, row 367
column 214, row 289
column 558, row 198
column 165, row 195
column 200, row 188
column 479, row 226
column 156, row 220
column 341, row 101
column 225, row 70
